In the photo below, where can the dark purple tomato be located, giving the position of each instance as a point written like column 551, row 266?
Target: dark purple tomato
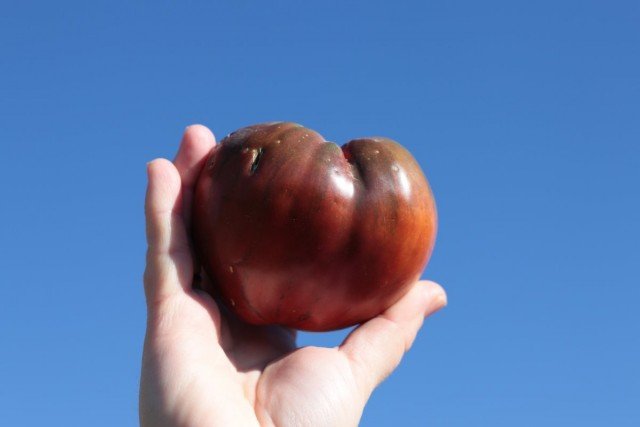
column 297, row 231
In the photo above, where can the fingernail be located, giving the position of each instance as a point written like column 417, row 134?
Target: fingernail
column 153, row 161
column 148, row 168
column 442, row 299
column 192, row 126
column 437, row 299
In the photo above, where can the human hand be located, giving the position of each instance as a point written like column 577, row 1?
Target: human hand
column 204, row 367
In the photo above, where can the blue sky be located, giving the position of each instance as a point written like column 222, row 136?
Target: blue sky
column 524, row 115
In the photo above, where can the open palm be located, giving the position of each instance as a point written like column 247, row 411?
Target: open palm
column 204, row 367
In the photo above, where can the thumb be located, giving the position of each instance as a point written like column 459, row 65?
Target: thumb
column 375, row 348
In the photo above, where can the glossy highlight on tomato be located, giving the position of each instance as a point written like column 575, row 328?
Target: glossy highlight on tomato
column 297, row 231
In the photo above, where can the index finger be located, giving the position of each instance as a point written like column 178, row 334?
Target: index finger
column 195, row 146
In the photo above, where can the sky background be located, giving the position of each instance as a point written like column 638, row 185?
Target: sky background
column 524, row 115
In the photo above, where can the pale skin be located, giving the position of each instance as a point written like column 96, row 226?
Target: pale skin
column 203, row 367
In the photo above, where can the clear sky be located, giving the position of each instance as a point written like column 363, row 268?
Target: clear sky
column 524, row 115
